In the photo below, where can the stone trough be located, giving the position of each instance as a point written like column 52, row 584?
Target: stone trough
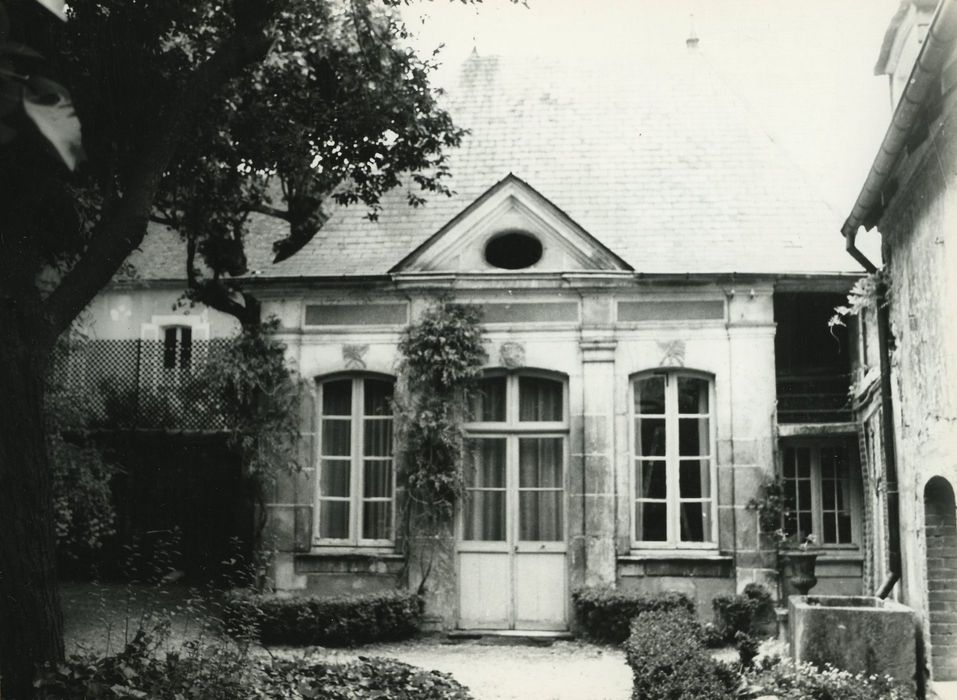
column 860, row 634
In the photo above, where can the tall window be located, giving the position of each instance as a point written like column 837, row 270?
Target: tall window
column 356, row 479
column 673, row 460
column 515, row 475
column 824, row 492
column 177, row 347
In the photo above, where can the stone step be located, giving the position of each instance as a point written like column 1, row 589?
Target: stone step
column 509, row 637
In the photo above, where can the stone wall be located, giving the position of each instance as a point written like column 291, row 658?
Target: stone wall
column 598, row 354
column 920, row 251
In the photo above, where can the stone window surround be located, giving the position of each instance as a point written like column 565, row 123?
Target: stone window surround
column 353, row 544
column 674, row 545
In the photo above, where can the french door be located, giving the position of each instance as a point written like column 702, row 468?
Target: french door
column 511, row 548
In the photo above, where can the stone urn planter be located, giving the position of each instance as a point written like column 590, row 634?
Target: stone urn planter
column 799, row 569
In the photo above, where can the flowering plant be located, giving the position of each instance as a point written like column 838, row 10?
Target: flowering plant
column 783, row 538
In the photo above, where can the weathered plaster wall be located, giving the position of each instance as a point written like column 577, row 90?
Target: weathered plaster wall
column 599, row 356
column 920, row 249
column 120, row 313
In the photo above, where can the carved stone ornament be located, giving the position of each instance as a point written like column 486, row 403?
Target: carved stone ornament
column 674, row 353
column 354, row 356
column 512, row 354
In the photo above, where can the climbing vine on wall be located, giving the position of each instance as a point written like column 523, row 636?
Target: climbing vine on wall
column 865, row 294
column 442, row 356
column 260, row 398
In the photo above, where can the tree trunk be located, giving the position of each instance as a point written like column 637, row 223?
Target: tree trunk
column 31, row 622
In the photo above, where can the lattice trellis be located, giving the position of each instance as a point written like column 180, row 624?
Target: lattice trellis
column 129, row 384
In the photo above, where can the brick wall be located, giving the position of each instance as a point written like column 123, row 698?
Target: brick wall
column 940, row 524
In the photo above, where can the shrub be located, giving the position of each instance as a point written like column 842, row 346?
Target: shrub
column 787, row 680
column 224, row 671
column 749, row 613
column 217, row 671
column 382, row 679
column 669, row 662
column 604, row 614
column 332, row 621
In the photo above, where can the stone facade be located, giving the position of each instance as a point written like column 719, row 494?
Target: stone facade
column 917, row 230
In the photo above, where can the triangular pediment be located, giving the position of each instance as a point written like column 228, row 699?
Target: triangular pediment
column 511, row 206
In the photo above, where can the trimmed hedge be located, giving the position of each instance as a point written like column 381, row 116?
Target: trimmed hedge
column 340, row 621
column 751, row 613
column 669, row 661
column 603, row 614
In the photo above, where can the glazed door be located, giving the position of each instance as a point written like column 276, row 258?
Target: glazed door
column 511, row 551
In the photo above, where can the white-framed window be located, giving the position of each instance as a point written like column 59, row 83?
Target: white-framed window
column 177, row 347
column 173, row 345
column 356, row 475
column 515, row 471
column 822, row 481
column 673, row 466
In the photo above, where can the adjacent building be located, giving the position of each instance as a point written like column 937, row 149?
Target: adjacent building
column 906, row 388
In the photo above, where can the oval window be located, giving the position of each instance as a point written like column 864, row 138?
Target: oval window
column 513, row 250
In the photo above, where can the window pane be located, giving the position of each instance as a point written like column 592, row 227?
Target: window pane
column 650, row 396
column 334, row 519
column 693, row 438
column 170, row 342
column 487, row 463
column 788, row 463
column 650, row 479
column 378, row 397
column 185, row 346
column 539, row 399
column 377, row 440
column 694, row 480
column 540, row 516
column 377, row 479
column 377, row 520
column 540, row 462
column 650, row 436
column 696, row 521
column 650, row 522
column 485, row 516
column 803, row 462
column 337, row 398
column 335, row 478
column 692, row 395
column 488, row 403
column 336, row 438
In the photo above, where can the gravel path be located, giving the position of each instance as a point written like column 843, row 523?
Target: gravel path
column 495, row 670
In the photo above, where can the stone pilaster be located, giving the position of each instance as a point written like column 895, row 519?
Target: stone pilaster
column 596, row 485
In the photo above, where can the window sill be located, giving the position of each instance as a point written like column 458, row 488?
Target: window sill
column 349, row 560
column 693, row 563
column 359, row 551
column 672, row 554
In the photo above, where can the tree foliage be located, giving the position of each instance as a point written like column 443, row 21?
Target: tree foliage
column 200, row 115
column 259, row 397
column 323, row 104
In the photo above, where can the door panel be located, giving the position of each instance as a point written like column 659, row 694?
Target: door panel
column 540, row 590
column 512, row 569
column 484, row 590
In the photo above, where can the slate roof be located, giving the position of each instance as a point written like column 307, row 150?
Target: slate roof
column 657, row 160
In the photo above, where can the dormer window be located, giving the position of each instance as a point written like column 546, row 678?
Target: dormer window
column 513, row 250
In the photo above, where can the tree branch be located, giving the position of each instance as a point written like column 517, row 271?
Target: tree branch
column 273, row 211
column 120, row 234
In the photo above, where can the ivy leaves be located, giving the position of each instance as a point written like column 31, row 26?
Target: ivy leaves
column 443, row 356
